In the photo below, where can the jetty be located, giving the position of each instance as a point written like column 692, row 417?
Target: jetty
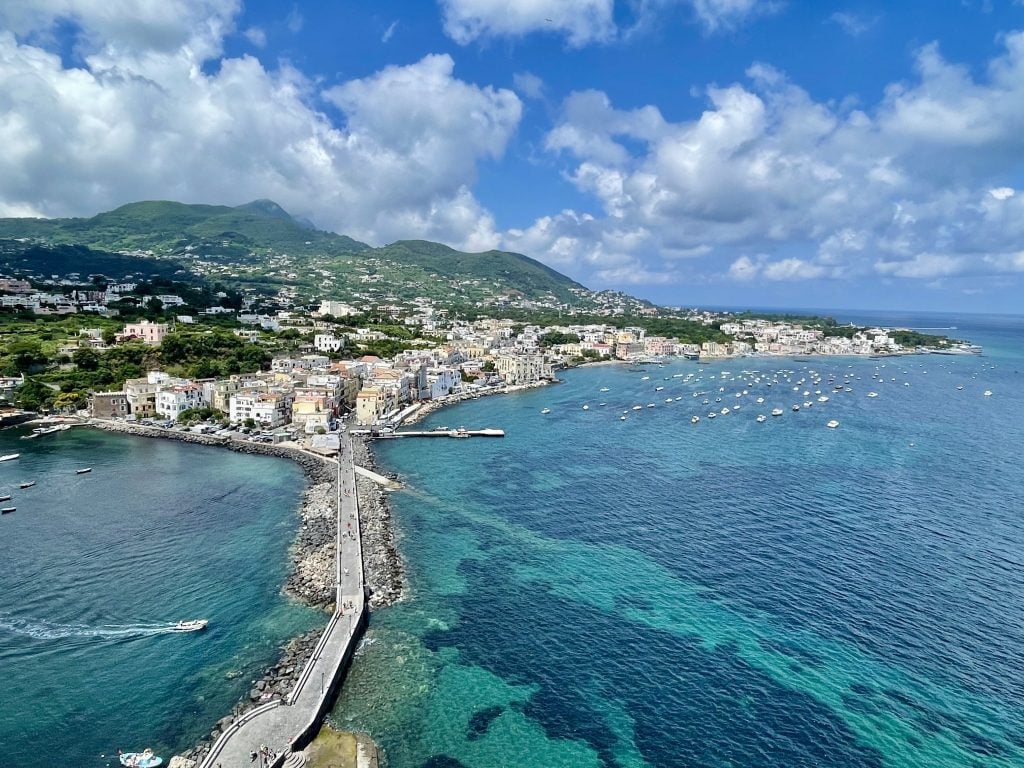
column 287, row 726
column 460, row 432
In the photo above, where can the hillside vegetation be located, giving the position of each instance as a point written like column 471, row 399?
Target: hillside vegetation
column 259, row 243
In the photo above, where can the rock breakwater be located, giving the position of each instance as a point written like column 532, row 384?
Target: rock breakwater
column 382, row 563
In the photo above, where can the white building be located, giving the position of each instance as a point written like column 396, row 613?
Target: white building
column 328, row 342
column 173, row 401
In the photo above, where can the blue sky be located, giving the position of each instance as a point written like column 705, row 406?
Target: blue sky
column 718, row 152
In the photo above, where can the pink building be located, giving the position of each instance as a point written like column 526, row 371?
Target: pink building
column 149, row 333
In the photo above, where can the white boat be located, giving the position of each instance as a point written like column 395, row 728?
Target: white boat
column 603, row 389
column 712, row 415
column 724, row 411
column 9, row 456
column 637, row 408
column 823, row 399
column 776, row 411
column 658, row 389
column 760, row 400
column 987, row 393
column 191, row 626
column 761, row 418
column 832, row 424
column 622, row 418
column 586, row 407
column 796, row 407
column 872, row 394
column 694, row 419
column 143, row 759
column 83, row 471
column 546, row 410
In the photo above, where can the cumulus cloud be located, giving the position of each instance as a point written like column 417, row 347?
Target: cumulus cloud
column 860, row 191
column 139, row 122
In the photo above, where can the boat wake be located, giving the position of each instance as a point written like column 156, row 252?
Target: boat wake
column 44, row 630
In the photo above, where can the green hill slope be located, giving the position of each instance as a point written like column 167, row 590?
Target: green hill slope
column 260, row 243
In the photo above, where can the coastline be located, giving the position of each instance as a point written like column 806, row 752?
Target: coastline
column 311, row 579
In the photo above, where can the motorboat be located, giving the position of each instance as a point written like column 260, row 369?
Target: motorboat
column 193, row 625
column 761, row 418
column 796, row 407
column 143, row 759
column 776, row 411
column 832, row 424
column 987, row 393
column 545, row 411
column 7, row 510
column 27, row 485
column 84, row 471
column 586, row 407
column 694, row 419
column 5, row 498
column 9, row 456
column 872, row 394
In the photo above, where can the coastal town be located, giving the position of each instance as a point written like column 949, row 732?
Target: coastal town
column 312, row 365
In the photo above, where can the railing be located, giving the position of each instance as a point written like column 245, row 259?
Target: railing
column 232, row 729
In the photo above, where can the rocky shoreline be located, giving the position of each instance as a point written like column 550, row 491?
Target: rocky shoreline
column 311, row 579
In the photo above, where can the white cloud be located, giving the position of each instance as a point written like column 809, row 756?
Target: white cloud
column 858, row 191
column 294, row 20
column 137, row 123
column 256, row 36
column 853, row 24
column 389, row 32
column 581, row 21
column 528, row 84
column 719, row 14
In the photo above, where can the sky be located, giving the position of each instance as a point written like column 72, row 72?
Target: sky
column 768, row 153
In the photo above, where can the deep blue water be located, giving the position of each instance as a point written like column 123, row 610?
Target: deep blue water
column 649, row 592
column 95, row 568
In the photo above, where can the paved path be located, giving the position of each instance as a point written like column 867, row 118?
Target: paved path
column 278, row 724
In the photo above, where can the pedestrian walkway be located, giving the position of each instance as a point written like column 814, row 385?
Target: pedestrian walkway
column 283, row 725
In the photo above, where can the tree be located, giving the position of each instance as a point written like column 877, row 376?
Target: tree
column 26, row 354
column 109, row 336
column 86, row 359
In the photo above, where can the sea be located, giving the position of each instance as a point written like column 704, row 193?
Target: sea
column 599, row 591
column 95, row 569
column 587, row 591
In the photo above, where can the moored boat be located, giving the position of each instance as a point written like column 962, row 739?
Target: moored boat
column 83, row 471
column 9, row 456
column 7, row 510
column 832, row 424
column 27, row 485
column 143, row 759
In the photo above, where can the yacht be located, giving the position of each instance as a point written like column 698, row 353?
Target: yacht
column 586, row 407
column 694, row 419
column 796, row 407
column 760, row 400
column 545, row 410
column 637, row 408
column 987, row 393
column 712, row 415
column 823, row 399
column 832, row 424
column 761, row 418
column 622, row 418
column 776, row 411
column 724, row 411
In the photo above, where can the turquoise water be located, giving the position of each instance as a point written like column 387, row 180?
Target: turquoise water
column 648, row 592
column 97, row 566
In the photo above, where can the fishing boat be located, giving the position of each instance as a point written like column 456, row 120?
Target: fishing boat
column 27, row 485
column 7, row 510
column 84, row 471
column 5, row 498
column 193, row 625
column 143, row 759
column 9, row 456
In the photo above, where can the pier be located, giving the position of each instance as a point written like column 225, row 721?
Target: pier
column 458, row 433
column 288, row 725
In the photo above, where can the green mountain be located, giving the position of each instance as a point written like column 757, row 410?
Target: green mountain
column 261, row 243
